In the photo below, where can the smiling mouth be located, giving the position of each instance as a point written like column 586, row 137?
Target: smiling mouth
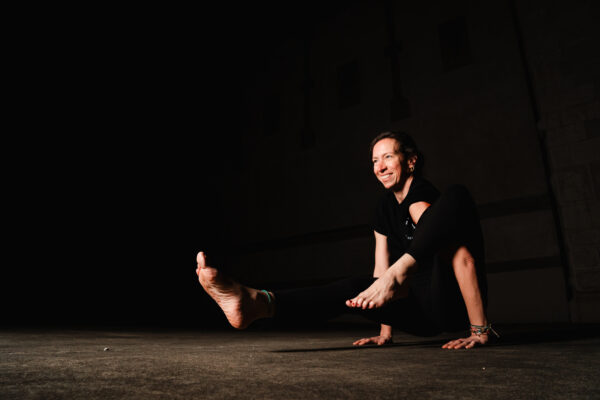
column 385, row 177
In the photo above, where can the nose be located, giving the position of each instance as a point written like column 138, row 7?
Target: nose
column 381, row 167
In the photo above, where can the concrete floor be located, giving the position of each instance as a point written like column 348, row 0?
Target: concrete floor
column 545, row 362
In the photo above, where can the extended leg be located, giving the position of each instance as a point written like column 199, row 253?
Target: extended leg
column 243, row 305
column 320, row 303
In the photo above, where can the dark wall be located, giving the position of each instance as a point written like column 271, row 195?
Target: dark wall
column 113, row 184
column 166, row 132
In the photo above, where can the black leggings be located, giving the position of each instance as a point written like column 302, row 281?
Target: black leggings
column 434, row 303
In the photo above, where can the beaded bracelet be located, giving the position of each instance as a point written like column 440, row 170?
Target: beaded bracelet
column 483, row 330
column 268, row 295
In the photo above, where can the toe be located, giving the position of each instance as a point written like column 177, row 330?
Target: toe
column 201, row 260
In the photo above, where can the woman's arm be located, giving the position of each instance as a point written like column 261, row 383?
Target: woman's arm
column 382, row 263
column 465, row 272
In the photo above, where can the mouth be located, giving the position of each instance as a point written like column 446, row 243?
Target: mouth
column 385, row 177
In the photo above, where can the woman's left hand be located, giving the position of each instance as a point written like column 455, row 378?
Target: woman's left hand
column 467, row 343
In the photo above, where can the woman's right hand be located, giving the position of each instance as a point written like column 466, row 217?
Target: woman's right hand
column 378, row 340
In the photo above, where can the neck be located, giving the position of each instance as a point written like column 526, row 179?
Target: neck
column 403, row 189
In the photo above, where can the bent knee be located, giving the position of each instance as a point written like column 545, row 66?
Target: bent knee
column 463, row 258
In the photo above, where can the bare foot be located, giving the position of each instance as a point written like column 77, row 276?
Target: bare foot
column 242, row 305
column 386, row 288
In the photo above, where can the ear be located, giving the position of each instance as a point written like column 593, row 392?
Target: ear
column 412, row 161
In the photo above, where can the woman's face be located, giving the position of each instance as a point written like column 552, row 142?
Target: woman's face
column 389, row 165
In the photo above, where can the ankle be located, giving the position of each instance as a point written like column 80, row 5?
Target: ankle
column 401, row 267
column 399, row 272
column 269, row 299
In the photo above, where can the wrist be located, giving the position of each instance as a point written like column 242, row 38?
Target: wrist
column 385, row 330
column 483, row 330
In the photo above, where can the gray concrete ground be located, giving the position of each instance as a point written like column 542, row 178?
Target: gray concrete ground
column 543, row 362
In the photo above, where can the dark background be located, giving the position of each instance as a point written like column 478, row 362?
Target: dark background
column 116, row 170
column 129, row 121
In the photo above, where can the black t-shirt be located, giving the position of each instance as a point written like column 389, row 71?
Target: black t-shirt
column 393, row 220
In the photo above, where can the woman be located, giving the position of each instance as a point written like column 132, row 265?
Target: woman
column 436, row 281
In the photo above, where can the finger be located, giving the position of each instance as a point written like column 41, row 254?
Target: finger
column 451, row 344
column 470, row 345
column 454, row 344
column 371, row 305
column 359, row 341
column 461, row 345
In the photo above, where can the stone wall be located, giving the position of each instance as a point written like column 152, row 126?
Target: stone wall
column 561, row 40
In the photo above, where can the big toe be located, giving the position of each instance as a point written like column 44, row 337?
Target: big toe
column 201, row 258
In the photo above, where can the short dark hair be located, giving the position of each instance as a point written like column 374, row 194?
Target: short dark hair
column 406, row 146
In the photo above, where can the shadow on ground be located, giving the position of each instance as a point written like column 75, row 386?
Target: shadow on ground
column 550, row 362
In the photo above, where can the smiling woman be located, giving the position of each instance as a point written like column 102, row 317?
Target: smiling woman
column 429, row 273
